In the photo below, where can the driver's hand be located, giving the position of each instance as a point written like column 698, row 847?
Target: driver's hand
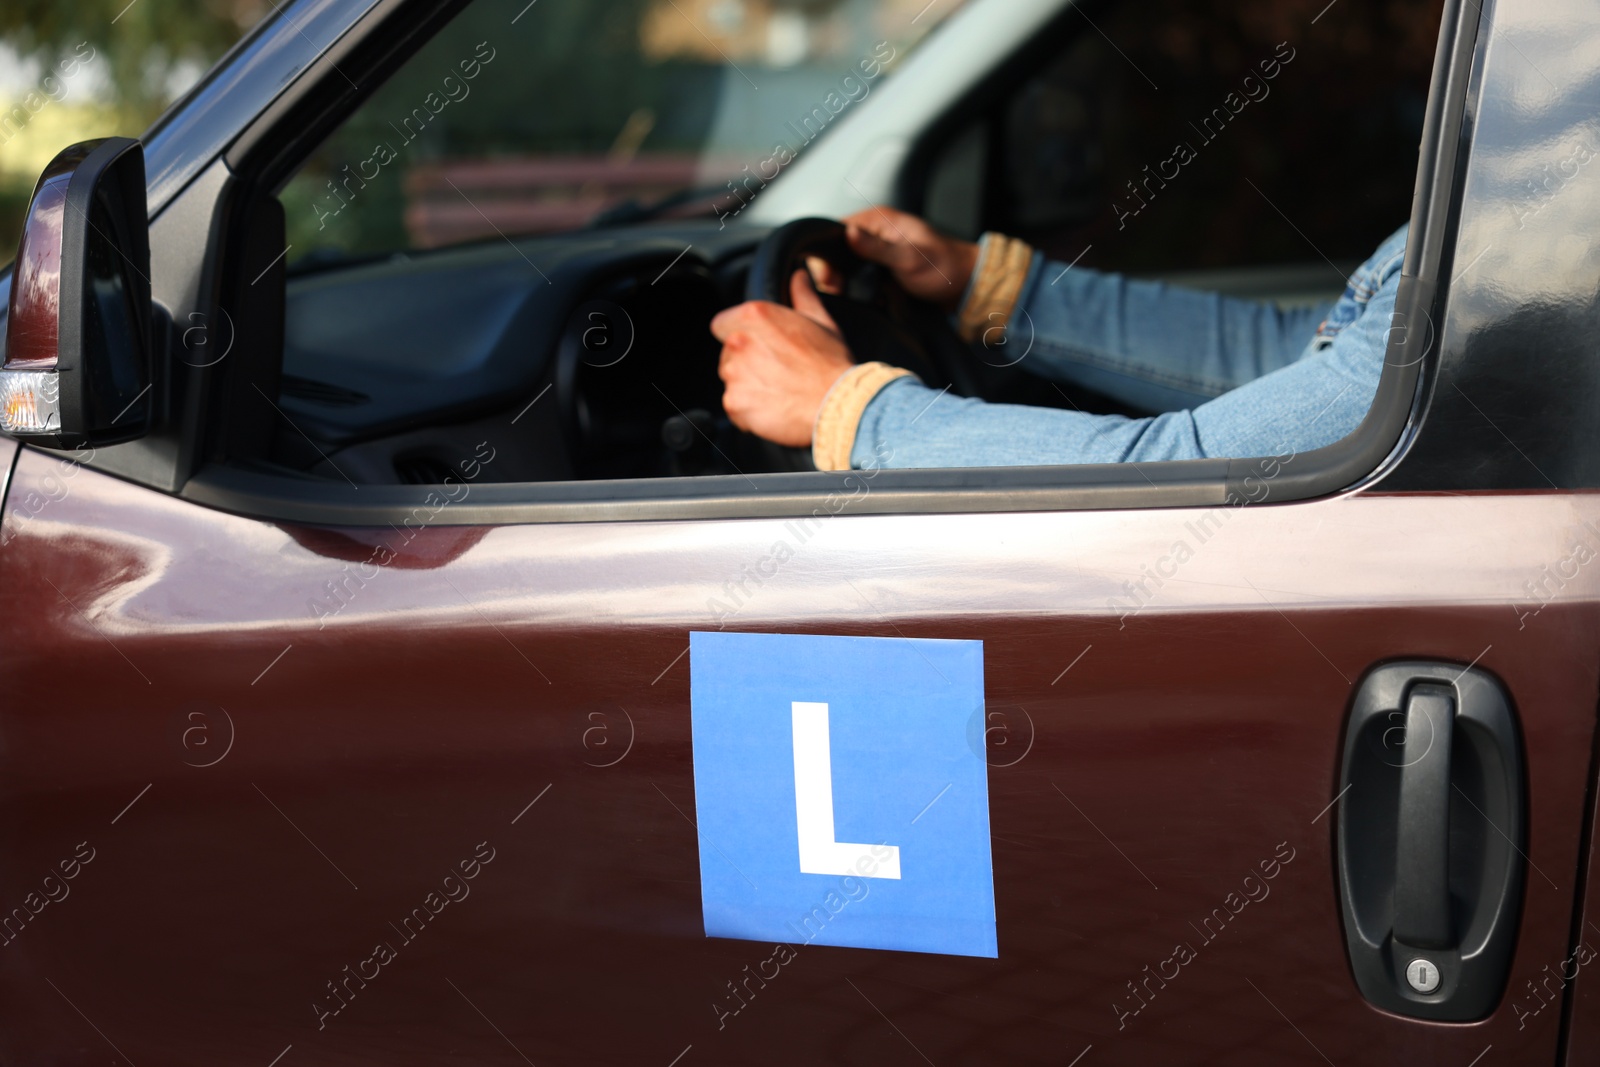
column 779, row 363
column 925, row 262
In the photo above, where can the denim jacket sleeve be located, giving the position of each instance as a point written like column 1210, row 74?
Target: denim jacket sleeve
column 1147, row 344
column 1145, row 340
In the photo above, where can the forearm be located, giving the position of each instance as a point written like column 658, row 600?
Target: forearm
column 910, row 425
column 1311, row 403
column 1151, row 345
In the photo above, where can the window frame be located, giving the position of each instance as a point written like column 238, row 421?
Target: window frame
column 271, row 147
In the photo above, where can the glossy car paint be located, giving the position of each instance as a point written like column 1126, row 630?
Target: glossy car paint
column 1516, row 383
column 34, row 315
column 312, row 776
column 1568, row 976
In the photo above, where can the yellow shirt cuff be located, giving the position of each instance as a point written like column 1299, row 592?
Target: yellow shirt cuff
column 834, row 434
column 996, row 285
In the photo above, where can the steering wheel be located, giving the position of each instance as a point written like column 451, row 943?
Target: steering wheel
column 880, row 320
column 784, row 251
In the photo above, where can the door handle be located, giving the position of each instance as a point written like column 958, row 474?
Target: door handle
column 1422, row 845
column 1429, row 839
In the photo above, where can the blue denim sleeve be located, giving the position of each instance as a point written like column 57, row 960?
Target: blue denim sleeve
column 1152, row 346
column 1295, row 405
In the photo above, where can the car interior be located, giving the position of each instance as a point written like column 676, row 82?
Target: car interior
column 510, row 286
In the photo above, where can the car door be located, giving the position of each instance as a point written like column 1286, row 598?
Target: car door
column 436, row 788
column 460, row 817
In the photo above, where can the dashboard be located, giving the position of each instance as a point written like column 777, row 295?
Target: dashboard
column 577, row 357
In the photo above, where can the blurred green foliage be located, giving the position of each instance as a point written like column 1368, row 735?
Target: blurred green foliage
column 13, row 203
column 143, row 52
column 142, row 44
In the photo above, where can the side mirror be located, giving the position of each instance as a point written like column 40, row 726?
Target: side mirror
column 80, row 335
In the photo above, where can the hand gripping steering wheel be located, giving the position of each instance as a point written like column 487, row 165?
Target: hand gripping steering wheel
column 879, row 320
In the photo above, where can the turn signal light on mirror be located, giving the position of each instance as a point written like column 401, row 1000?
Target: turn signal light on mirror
column 30, row 401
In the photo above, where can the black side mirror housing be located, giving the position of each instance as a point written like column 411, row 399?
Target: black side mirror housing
column 80, row 337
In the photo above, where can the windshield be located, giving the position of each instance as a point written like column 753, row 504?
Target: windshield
column 537, row 117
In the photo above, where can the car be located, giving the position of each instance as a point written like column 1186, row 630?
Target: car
column 409, row 661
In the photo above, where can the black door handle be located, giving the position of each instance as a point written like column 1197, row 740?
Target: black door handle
column 1429, row 839
column 1422, row 846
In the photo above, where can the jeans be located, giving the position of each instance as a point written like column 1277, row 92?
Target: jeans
column 1231, row 378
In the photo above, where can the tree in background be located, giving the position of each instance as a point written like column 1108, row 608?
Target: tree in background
column 145, row 45
column 144, row 52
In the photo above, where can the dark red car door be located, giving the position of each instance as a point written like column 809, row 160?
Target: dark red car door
column 282, row 815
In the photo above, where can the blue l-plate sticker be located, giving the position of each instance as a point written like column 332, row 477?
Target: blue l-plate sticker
column 838, row 798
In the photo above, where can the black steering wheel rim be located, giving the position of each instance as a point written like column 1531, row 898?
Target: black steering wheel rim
column 785, row 250
column 913, row 333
